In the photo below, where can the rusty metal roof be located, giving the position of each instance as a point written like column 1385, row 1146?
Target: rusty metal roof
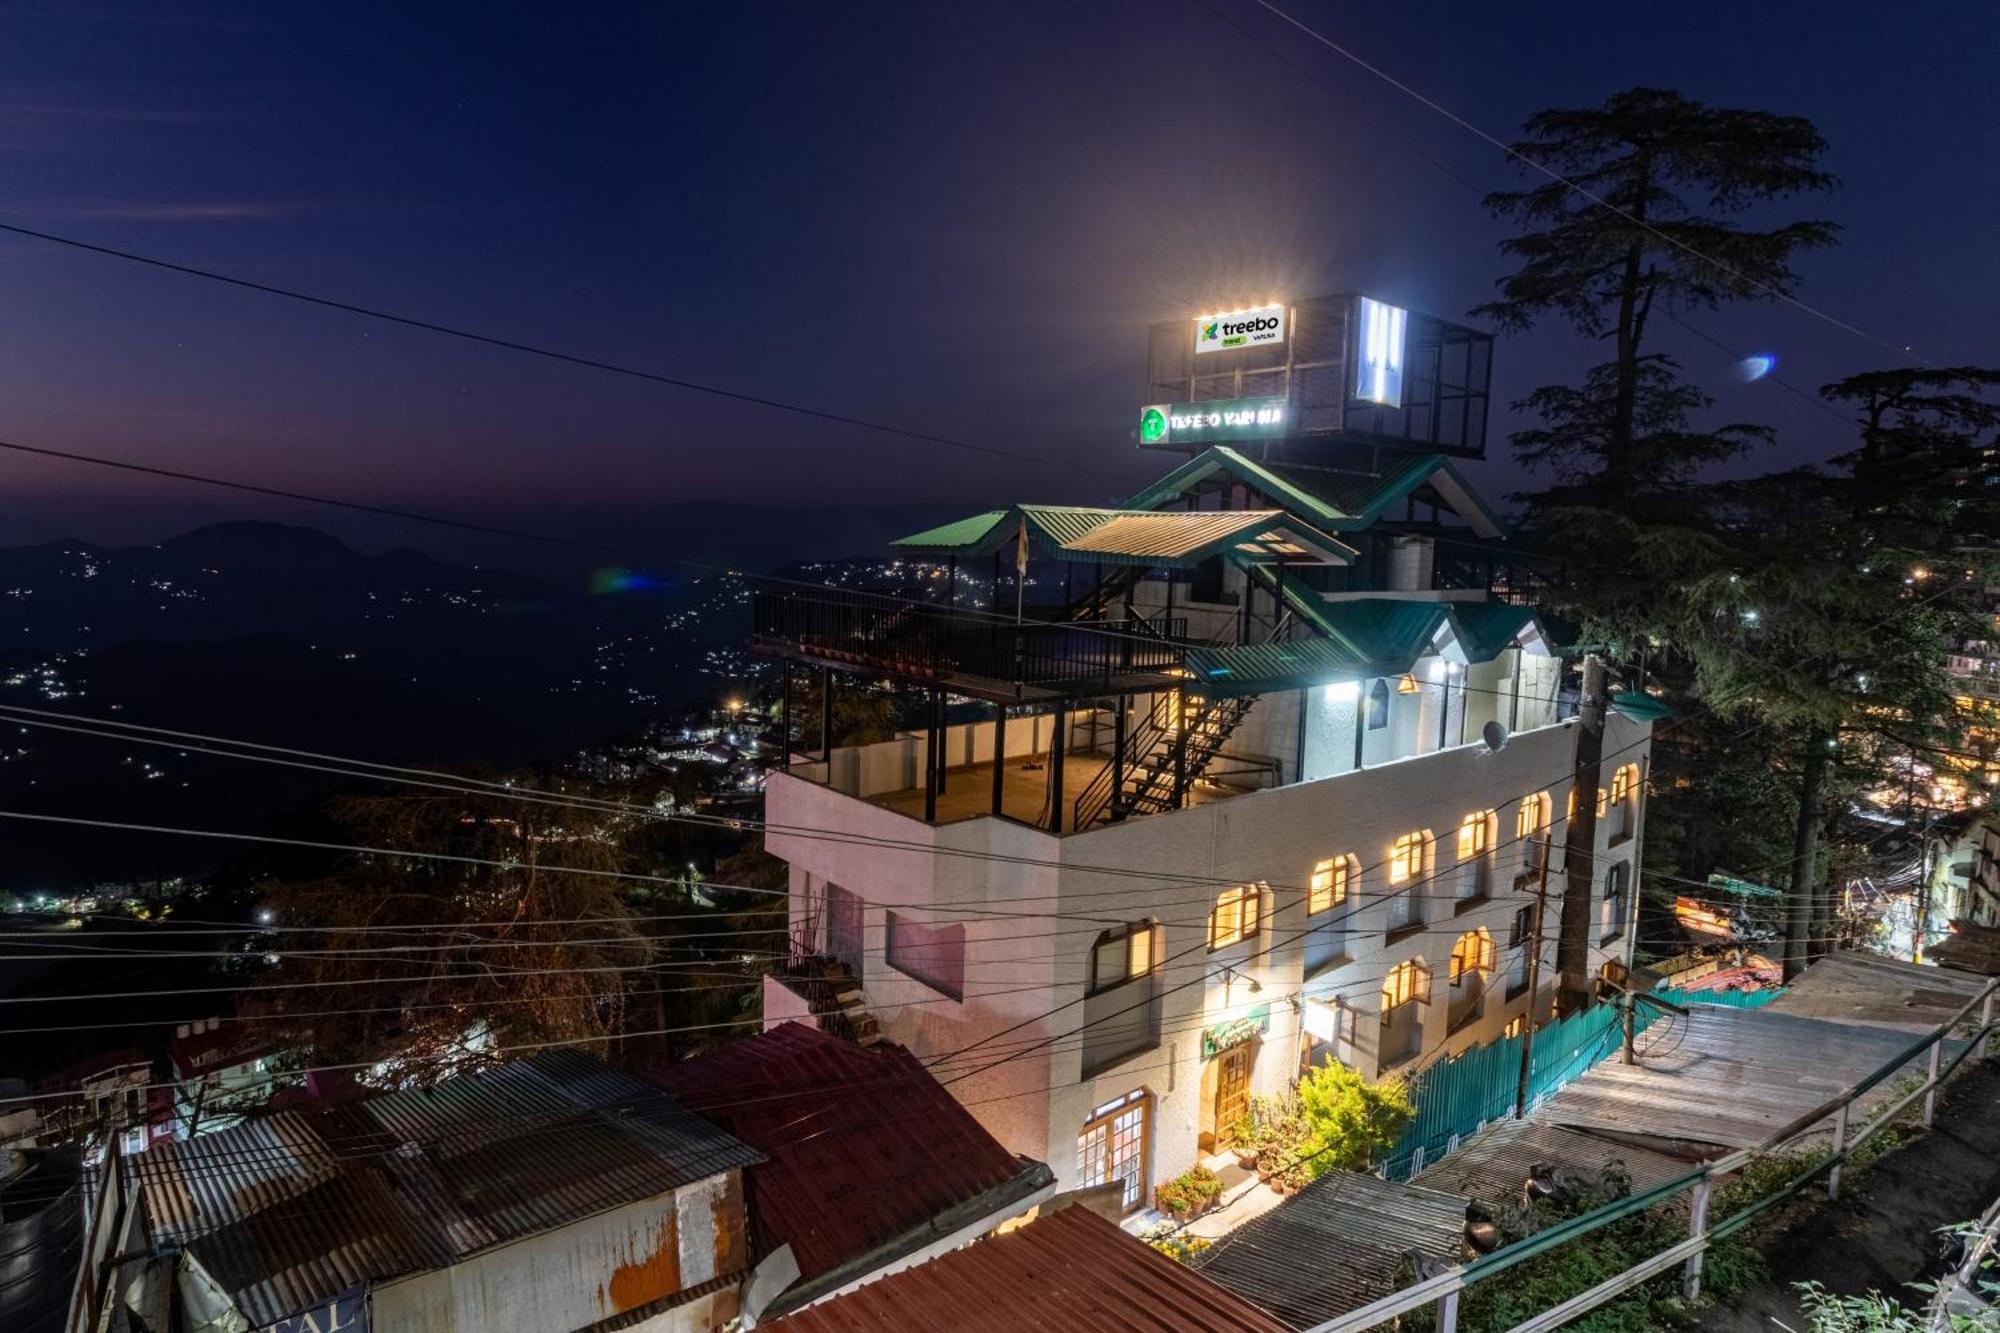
column 1733, row 1078
column 1336, row 1246
column 288, row 1209
column 1069, row 1272
column 863, row 1145
column 1493, row 1165
column 1853, row 987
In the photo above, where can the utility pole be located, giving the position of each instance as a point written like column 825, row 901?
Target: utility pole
column 1534, row 980
column 1580, row 841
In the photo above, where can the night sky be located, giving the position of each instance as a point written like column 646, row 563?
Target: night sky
column 959, row 218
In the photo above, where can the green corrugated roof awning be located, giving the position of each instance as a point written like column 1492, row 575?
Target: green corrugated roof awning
column 1640, row 707
column 1389, row 633
column 1487, row 629
column 1255, row 668
column 963, row 536
column 1335, row 501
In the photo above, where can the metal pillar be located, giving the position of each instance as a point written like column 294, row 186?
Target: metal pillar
column 1118, row 757
column 943, row 739
column 1057, row 744
column 1931, row 1082
column 933, row 752
column 1839, row 1146
column 1985, row 1020
column 1360, row 720
column 785, row 724
column 826, row 719
column 1180, row 747
column 1447, row 1313
column 999, row 754
column 1697, row 1226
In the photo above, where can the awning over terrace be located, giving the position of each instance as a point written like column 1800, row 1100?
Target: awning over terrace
column 1179, row 540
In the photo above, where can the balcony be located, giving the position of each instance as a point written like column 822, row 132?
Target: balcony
column 967, row 653
column 1120, row 1022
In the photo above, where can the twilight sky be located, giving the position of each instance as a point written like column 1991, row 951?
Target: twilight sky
column 954, row 217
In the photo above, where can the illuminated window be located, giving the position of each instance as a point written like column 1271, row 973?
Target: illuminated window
column 1235, row 917
column 1378, row 705
column 1378, row 353
column 1114, row 1145
column 1410, row 856
column 1476, row 835
column 1406, row 982
column 1122, row 954
column 1515, row 1026
column 1624, row 798
column 1603, row 800
column 1329, row 884
column 1531, row 829
column 1473, row 953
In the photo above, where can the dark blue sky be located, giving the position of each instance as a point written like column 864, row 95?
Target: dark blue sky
column 955, row 217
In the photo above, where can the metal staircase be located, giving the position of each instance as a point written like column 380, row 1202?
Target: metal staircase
column 1147, row 762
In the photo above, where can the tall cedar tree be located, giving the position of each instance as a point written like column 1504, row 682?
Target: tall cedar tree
column 1641, row 220
column 1847, row 587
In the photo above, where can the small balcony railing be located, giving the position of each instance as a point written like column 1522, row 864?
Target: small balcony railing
column 938, row 643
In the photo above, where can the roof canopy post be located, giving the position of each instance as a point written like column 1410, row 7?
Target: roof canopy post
column 999, row 754
column 1056, row 763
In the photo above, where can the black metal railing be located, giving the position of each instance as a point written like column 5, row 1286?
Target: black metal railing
column 934, row 642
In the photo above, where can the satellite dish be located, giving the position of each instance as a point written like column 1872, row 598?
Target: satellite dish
column 1495, row 735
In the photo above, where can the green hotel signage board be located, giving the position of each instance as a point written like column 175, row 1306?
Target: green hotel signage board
column 1222, row 1036
column 1170, row 424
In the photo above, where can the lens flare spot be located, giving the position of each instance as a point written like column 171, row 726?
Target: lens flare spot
column 1753, row 368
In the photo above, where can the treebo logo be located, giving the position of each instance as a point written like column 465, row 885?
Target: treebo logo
column 1240, row 328
column 1152, row 426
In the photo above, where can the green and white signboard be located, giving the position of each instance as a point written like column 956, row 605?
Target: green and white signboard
column 1167, row 424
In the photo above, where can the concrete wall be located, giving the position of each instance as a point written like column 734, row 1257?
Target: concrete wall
column 1064, row 890
column 576, row 1275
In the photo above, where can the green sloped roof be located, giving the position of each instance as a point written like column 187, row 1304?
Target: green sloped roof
column 1151, row 538
column 1391, row 633
column 1337, row 501
column 961, row 535
column 1487, row 629
column 1254, row 668
column 1222, row 458
column 1640, row 706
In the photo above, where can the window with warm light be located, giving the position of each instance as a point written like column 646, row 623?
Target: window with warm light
column 1122, row 954
column 1473, row 953
column 1235, row 917
column 1624, row 801
column 1410, row 857
column 1329, row 884
column 1406, row 981
column 1531, row 830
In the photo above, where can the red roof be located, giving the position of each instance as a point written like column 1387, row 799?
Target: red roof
column 863, row 1143
column 1071, row 1271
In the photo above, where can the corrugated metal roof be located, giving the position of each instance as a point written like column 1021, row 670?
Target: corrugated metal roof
column 42, row 1237
column 1070, row 1272
column 1337, row 1246
column 1338, row 501
column 1487, row 629
column 291, row 1208
column 1881, row 992
column 1229, row 670
column 887, row 1150
column 1727, row 1077
column 959, row 535
column 1493, row 1165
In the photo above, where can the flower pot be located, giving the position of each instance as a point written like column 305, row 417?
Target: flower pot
column 1277, row 1185
column 1246, row 1158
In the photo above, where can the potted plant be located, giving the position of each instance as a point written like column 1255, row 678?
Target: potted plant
column 1189, row 1194
column 1243, row 1141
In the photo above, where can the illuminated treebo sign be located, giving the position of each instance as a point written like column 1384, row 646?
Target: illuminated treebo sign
column 1239, row 328
column 1213, row 422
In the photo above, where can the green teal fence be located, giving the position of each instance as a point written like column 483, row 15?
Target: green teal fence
column 1458, row 1096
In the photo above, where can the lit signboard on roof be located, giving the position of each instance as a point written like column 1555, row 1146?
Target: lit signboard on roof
column 1257, row 327
column 1169, row 424
column 1378, row 359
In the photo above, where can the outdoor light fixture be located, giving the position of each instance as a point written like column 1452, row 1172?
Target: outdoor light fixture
column 1378, row 364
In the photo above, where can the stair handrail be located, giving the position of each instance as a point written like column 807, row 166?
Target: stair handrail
column 1098, row 792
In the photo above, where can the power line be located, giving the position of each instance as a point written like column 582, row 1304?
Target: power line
column 1769, row 289
column 531, row 349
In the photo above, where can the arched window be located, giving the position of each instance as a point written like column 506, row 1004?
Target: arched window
column 1236, row 916
column 1123, row 953
column 1603, row 799
column 1531, row 830
column 1473, row 953
column 1477, row 833
column 1406, row 981
column 1378, row 705
column 1410, row 856
column 1624, row 807
column 1331, row 880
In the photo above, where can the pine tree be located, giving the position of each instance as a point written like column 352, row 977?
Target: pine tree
column 1642, row 220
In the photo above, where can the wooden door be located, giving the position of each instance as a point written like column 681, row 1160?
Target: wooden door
column 1232, row 1090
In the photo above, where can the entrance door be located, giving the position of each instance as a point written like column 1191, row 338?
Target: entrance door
column 1232, row 1091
